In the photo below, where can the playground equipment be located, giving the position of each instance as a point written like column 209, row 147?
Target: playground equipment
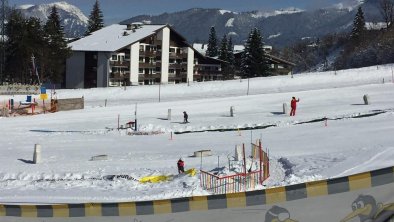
column 239, row 182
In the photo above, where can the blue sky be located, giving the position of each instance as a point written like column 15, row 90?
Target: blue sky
column 117, row 10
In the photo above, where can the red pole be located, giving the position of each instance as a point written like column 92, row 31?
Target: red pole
column 261, row 160
column 243, row 149
column 32, row 107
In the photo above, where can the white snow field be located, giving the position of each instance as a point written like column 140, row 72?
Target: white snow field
column 309, row 151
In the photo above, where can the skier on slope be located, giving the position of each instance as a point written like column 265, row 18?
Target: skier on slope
column 181, row 166
column 293, row 105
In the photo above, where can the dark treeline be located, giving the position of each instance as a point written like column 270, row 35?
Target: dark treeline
column 30, row 39
column 27, row 40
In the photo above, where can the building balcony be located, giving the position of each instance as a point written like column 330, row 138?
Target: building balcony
column 119, row 74
column 149, row 53
column 147, row 65
column 176, row 65
column 124, row 63
column 208, row 72
column 174, row 55
column 150, row 76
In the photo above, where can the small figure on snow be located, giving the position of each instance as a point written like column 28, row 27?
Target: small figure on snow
column 185, row 116
column 293, row 105
column 181, row 166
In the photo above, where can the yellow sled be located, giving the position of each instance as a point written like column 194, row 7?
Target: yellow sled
column 163, row 178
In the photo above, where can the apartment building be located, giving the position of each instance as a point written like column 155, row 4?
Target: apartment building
column 134, row 54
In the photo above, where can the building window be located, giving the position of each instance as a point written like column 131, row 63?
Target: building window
column 114, row 58
column 172, row 71
column 172, row 49
column 141, row 71
column 171, row 61
column 142, row 59
column 142, row 48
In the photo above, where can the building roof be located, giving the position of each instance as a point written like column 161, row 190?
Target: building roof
column 113, row 38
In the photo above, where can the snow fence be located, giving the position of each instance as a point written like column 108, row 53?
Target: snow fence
column 361, row 197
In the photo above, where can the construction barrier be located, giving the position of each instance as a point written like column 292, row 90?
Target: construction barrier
column 69, row 104
column 361, row 197
column 229, row 184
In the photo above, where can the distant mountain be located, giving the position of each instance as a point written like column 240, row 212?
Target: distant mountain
column 279, row 27
column 73, row 20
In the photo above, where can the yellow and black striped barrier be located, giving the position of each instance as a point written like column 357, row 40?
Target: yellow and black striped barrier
column 265, row 198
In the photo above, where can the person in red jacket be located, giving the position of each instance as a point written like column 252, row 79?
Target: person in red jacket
column 181, row 166
column 293, row 105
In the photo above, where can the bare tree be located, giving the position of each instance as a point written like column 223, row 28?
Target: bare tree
column 387, row 11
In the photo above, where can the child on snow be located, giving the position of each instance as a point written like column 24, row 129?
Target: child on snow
column 181, row 166
column 185, row 116
column 293, row 105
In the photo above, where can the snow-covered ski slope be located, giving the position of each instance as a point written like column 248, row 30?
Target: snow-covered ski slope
column 299, row 152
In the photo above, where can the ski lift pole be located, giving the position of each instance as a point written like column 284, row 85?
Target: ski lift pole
column 135, row 118
column 35, row 68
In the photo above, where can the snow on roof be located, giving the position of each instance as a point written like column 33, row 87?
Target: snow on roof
column 200, row 47
column 113, row 38
column 239, row 48
column 375, row 25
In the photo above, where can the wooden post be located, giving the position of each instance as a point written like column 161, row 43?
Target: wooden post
column 392, row 75
column 43, row 106
column 247, row 93
column 37, row 154
column 159, row 90
column 169, row 114
column 118, row 121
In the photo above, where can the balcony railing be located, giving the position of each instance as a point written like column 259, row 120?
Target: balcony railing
column 177, row 65
column 123, row 63
column 147, row 65
column 178, row 55
column 149, row 53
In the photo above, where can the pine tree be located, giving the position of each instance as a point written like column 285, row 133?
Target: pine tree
column 96, row 21
column 25, row 38
column 230, row 52
column 212, row 49
column 223, row 51
column 254, row 62
column 58, row 50
column 358, row 27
